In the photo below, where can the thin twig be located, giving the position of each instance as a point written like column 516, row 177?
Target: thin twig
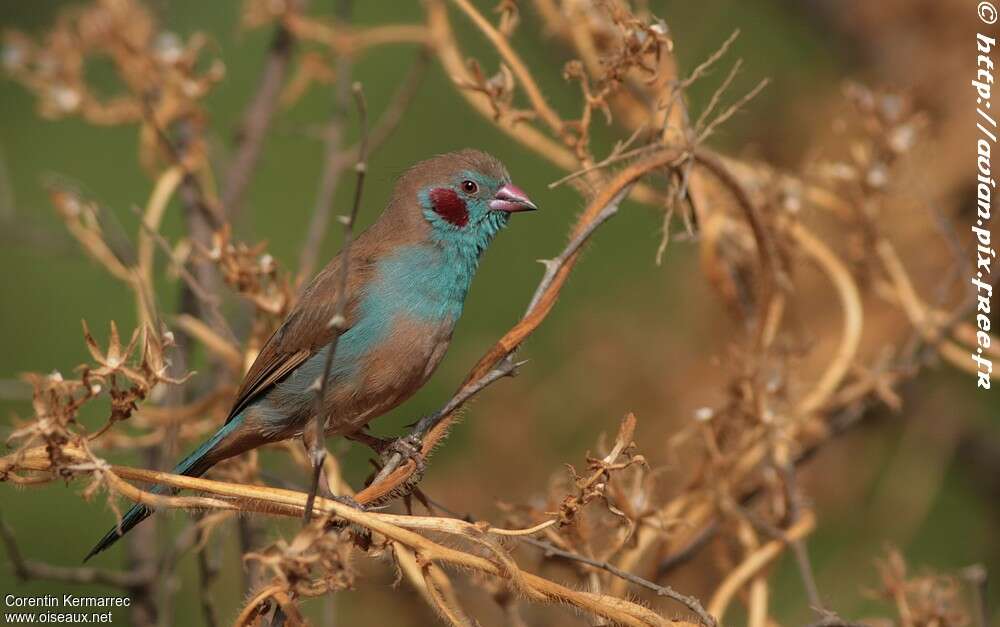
column 334, row 164
column 338, row 322
column 799, row 548
column 703, row 67
column 717, row 95
column 399, row 104
column 552, row 266
column 685, row 555
column 209, row 301
column 688, row 601
column 338, row 159
column 507, row 368
column 208, row 570
column 257, row 121
column 732, row 109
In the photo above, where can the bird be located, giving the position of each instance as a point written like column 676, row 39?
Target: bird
column 407, row 279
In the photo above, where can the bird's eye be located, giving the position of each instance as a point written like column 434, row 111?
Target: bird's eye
column 469, row 187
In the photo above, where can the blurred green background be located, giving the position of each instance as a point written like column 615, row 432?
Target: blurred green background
column 48, row 287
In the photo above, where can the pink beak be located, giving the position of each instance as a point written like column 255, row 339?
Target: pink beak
column 510, row 198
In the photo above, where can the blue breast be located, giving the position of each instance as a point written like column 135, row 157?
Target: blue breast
column 425, row 283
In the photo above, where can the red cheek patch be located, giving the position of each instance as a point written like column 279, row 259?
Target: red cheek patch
column 449, row 206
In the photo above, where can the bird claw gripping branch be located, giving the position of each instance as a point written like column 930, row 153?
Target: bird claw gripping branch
column 402, row 450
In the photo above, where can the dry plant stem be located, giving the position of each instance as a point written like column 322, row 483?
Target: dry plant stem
column 407, row 563
column 316, row 441
column 702, row 68
column 197, row 199
column 442, row 594
column 221, row 347
column 345, row 40
column 685, row 554
column 757, row 604
column 142, row 550
column 533, row 586
column 552, row 266
column 333, row 167
column 731, row 110
column 506, row 368
column 517, row 66
column 818, row 396
column 253, row 609
column 208, row 570
column 850, row 339
column 543, row 302
column 611, row 159
column 400, row 103
column 768, row 269
column 218, row 337
column 919, row 314
column 757, row 560
column 786, row 468
column 862, row 403
column 257, row 121
column 163, row 191
column 688, row 601
column 716, row 97
column 338, row 158
column 453, row 62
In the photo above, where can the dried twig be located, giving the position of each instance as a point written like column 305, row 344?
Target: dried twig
column 257, row 121
column 688, row 601
column 315, row 440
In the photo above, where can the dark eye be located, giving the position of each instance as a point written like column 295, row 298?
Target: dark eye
column 469, row 187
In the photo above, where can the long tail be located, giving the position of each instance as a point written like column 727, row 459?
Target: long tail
column 194, row 465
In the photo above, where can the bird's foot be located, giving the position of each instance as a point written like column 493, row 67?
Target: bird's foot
column 394, row 455
column 401, row 450
column 393, row 452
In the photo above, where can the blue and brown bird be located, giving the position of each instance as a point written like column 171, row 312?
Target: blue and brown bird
column 407, row 278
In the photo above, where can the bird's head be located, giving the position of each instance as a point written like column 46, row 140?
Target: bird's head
column 465, row 197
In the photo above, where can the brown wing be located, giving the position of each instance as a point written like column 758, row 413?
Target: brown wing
column 304, row 332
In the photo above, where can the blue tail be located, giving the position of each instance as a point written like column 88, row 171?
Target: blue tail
column 194, row 465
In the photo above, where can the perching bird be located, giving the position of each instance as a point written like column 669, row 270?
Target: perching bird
column 408, row 275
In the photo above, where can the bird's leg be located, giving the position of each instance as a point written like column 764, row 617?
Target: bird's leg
column 393, row 452
column 401, row 450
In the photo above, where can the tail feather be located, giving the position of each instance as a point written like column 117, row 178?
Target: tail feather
column 194, row 465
